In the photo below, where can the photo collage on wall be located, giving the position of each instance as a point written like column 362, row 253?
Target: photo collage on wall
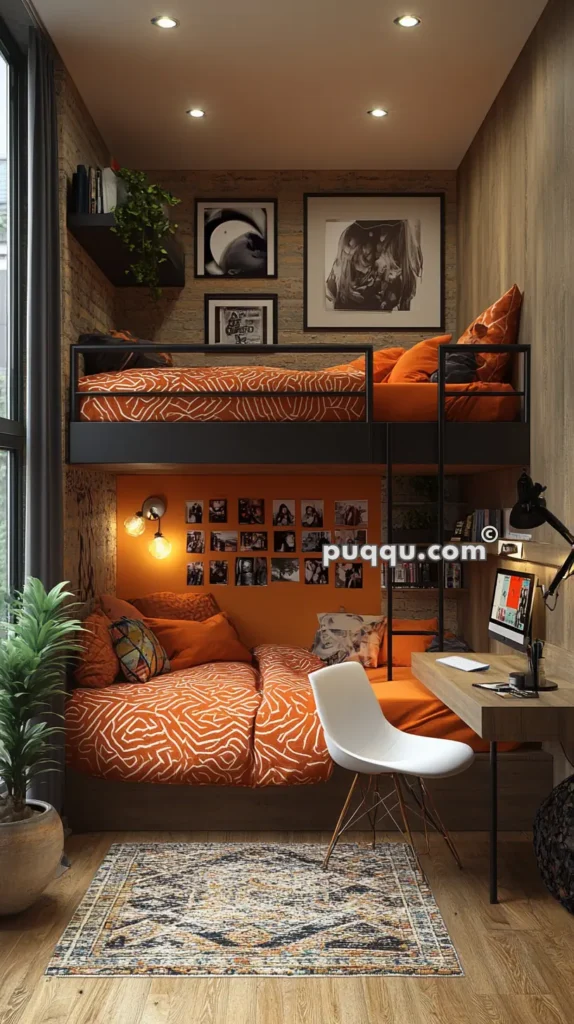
column 293, row 528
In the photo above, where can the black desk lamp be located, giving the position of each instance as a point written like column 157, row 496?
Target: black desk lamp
column 529, row 512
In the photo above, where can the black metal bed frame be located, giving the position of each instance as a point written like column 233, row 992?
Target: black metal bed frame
column 363, row 442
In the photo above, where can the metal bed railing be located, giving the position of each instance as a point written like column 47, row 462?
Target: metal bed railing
column 523, row 393
column 355, row 350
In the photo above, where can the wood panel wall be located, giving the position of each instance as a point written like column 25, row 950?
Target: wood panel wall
column 516, row 223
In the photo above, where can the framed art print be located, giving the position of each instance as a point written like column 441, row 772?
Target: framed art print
column 240, row 319
column 374, row 261
column 236, row 238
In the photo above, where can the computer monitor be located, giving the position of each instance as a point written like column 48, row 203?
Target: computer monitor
column 511, row 608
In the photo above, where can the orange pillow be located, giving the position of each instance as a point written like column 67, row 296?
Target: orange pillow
column 404, row 646
column 498, row 325
column 166, row 605
column 384, row 359
column 98, row 665
column 418, row 362
column 114, row 608
column 190, row 643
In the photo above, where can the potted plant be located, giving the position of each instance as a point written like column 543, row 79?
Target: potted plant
column 34, row 648
column 143, row 224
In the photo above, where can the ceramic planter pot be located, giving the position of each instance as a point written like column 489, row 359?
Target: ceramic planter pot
column 30, row 852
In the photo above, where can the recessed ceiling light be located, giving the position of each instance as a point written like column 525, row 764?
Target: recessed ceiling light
column 407, row 21
column 164, row 21
column 196, row 112
column 378, row 112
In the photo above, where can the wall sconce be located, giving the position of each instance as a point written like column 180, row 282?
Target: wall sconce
column 153, row 509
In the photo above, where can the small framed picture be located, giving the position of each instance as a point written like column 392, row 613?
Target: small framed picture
column 251, row 511
column 351, row 513
column 285, row 570
column 195, row 542
column 284, row 541
column 218, row 510
column 284, row 512
column 223, row 540
column 255, row 540
column 313, row 540
column 194, row 511
column 241, row 320
column 312, row 512
column 236, row 238
column 349, row 575
column 316, row 574
column 350, row 537
column 218, row 573
column 510, row 548
column 195, row 574
column 251, row 572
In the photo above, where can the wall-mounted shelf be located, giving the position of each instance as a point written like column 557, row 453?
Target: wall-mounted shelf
column 108, row 252
column 427, row 590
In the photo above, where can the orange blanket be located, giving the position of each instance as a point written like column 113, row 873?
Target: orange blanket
column 392, row 402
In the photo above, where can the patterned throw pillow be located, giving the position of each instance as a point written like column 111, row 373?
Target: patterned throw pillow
column 167, row 605
column 140, row 653
column 345, row 636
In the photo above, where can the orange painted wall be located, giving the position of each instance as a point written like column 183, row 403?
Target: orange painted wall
column 283, row 613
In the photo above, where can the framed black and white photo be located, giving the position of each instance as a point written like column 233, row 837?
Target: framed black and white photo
column 236, row 238
column 316, row 574
column 349, row 575
column 195, row 574
column 314, row 540
column 254, row 540
column 194, row 511
column 223, row 540
column 374, row 261
column 218, row 573
column 284, row 512
column 240, row 319
column 195, row 542
column 312, row 512
column 218, row 510
column 284, row 570
column 354, row 512
column 284, row 541
column 251, row 572
column 251, row 511
column 350, row 537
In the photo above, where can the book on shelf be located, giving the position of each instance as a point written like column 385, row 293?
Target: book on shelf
column 470, row 528
column 421, row 575
column 508, row 532
column 94, row 190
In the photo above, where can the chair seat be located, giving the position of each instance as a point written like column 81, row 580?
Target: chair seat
column 424, row 756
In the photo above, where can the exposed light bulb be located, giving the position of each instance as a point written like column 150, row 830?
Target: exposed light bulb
column 159, row 547
column 135, row 525
column 164, row 21
column 407, row 21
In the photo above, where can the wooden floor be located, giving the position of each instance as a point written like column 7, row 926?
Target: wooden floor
column 517, row 956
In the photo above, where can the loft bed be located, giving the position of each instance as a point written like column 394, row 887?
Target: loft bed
column 169, row 417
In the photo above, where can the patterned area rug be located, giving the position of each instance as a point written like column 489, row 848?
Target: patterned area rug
column 256, row 909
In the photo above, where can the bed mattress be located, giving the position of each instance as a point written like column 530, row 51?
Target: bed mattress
column 251, row 394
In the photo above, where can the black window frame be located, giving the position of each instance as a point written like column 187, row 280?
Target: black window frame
column 13, row 428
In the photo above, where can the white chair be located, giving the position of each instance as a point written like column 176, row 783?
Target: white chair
column 360, row 738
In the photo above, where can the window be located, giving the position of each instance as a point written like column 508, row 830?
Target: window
column 11, row 323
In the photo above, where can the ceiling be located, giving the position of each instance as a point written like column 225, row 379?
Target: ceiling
column 288, row 84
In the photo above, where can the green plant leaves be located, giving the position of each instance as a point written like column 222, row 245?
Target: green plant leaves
column 142, row 225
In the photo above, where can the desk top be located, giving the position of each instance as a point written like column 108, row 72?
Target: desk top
column 493, row 717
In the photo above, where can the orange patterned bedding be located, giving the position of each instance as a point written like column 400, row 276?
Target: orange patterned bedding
column 392, row 402
column 193, row 726
column 289, row 745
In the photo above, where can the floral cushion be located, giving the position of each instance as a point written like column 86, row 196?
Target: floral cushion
column 167, row 605
column 346, row 636
column 140, row 654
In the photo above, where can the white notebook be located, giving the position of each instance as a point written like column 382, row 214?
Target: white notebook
column 466, row 664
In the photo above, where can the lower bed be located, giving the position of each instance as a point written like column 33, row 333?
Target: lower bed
column 230, row 724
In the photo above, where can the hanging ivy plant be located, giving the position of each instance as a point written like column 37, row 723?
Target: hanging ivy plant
column 143, row 225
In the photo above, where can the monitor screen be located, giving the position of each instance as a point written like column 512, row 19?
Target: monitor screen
column 511, row 607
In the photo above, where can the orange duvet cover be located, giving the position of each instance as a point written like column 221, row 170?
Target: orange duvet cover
column 154, row 399
column 193, row 726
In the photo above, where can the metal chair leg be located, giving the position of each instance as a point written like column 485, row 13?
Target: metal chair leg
column 441, row 828
column 397, row 782
column 339, row 824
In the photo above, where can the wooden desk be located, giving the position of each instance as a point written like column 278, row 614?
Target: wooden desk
column 494, row 718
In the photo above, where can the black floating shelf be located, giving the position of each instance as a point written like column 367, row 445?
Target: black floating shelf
column 93, row 232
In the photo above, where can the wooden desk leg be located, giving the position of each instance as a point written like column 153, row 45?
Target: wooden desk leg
column 493, row 822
